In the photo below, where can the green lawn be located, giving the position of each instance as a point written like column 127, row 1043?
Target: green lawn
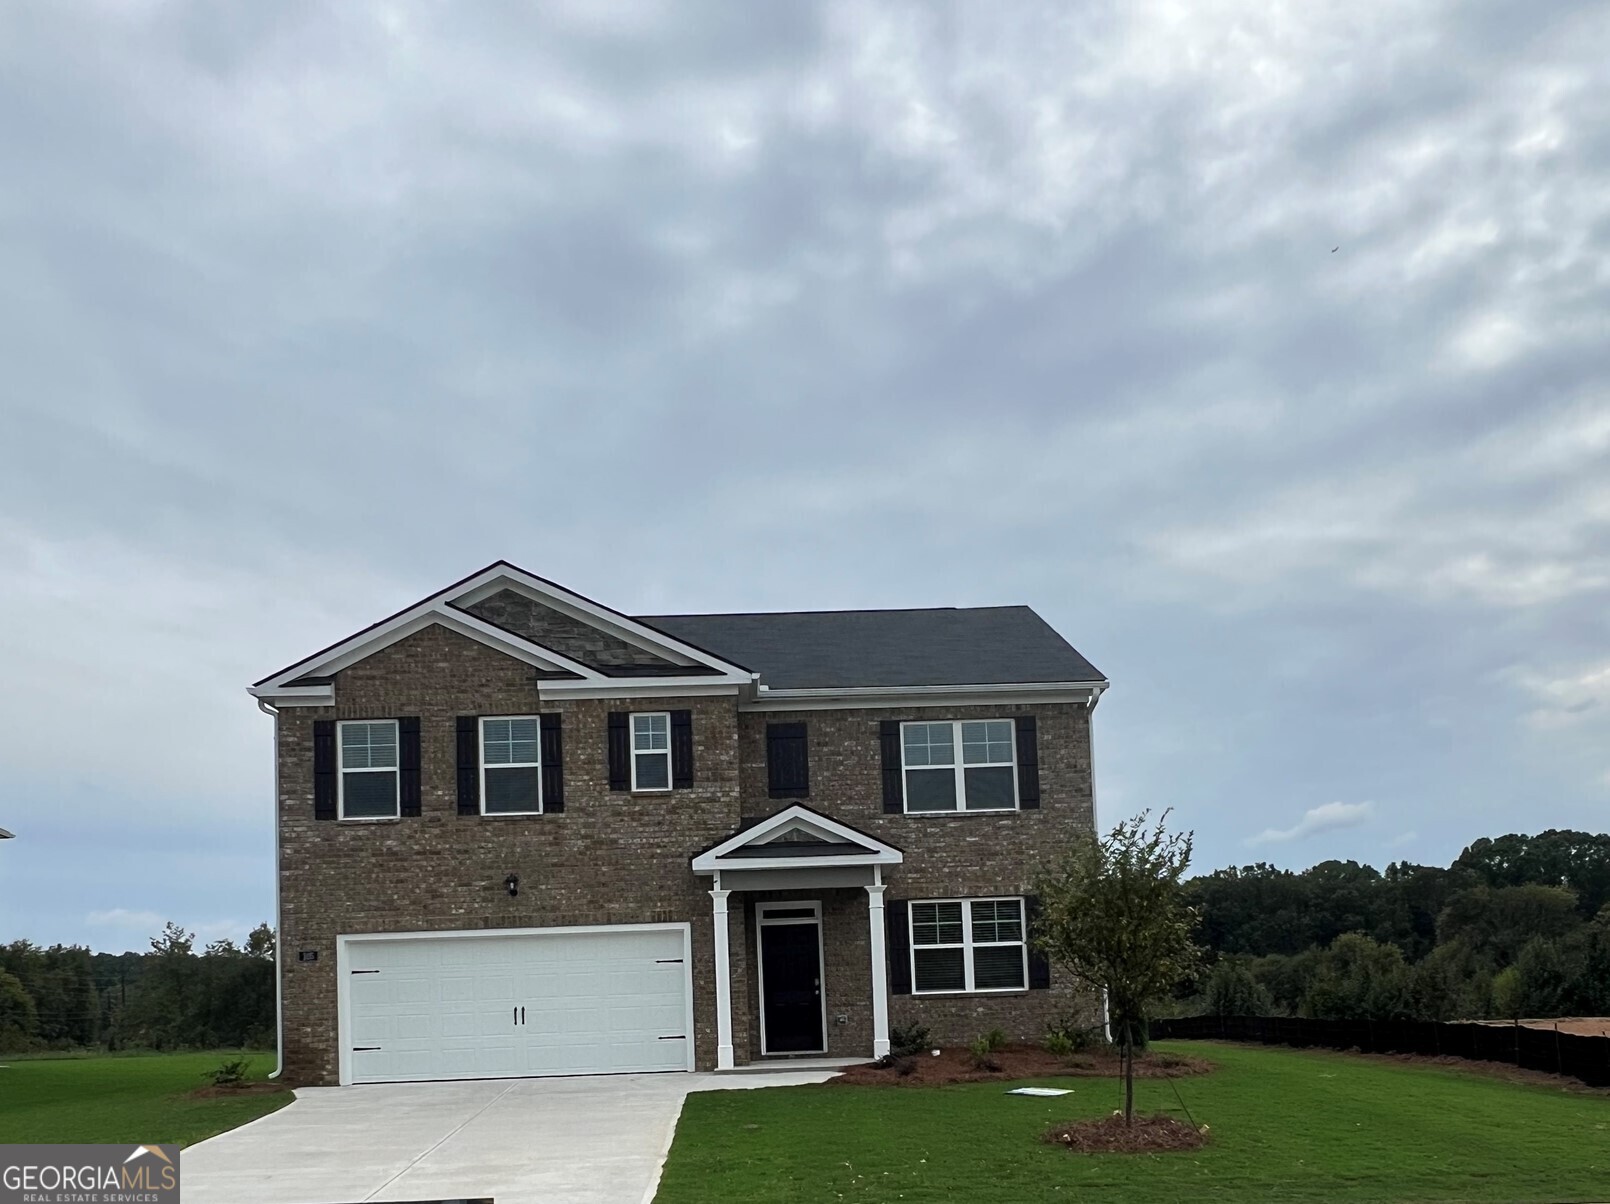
column 1285, row 1125
column 134, row 1097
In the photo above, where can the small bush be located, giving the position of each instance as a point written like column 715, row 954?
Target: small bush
column 994, row 1040
column 230, row 1074
column 907, row 1040
column 1071, row 1034
column 983, row 1051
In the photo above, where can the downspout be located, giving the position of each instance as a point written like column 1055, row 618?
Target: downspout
column 279, row 928
column 1090, row 730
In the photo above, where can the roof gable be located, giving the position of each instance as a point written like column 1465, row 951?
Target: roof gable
column 796, row 836
column 554, row 622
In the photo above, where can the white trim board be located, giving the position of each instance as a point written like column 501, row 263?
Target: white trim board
column 446, row 607
column 859, row 698
column 860, row 848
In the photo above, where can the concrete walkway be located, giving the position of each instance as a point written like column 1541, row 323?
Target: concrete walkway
column 594, row 1140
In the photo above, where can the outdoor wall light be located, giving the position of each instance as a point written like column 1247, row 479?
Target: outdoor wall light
column 513, row 883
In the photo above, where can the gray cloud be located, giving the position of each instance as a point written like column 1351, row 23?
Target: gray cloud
column 312, row 310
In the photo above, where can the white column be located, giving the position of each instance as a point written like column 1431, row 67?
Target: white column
column 723, row 984
column 880, row 971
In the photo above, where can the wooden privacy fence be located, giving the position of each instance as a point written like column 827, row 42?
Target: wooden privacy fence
column 1585, row 1058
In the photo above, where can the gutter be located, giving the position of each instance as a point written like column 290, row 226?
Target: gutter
column 279, row 928
column 1095, row 826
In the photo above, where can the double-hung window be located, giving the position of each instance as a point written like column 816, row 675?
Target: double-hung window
column 968, row 945
column 982, row 778
column 369, row 778
column 511, row 766
column 651, row 750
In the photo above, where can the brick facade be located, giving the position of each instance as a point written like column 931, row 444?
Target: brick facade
column 617, row 857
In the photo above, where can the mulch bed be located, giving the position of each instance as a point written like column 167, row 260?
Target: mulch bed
column 245, row 1089
column 1109, row 1135
column 1014, row 1062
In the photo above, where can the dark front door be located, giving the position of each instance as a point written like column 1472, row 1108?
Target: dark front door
column 791, row 992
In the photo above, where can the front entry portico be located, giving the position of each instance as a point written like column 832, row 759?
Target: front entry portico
column 796, row 849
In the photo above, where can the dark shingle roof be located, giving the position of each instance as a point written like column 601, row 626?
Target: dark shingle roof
column 947, row 646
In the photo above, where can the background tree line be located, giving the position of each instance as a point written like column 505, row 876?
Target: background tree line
column 1515, row 927
column 66, row 997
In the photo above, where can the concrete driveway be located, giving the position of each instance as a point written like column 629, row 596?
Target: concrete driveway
column 594, row 1140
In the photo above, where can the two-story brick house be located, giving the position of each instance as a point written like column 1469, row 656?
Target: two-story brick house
column 520, row 833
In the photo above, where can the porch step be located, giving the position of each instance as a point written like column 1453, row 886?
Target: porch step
column 772, row 1065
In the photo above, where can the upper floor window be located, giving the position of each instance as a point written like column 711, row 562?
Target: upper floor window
column 651, row 751
column 982, row 778
column 968, row 945
column 511, row 766
column 369, row 778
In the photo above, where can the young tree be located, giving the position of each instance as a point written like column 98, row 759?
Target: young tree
column 1113, row 915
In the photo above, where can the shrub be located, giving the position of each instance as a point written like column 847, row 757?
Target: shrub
column 994, row 1041
column 908, row 1040
column 1060, row 1044
column 1066, row 1033
column 983, row 1051
column 229, row 1074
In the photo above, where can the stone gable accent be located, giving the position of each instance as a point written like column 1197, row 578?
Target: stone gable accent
column 570, row 637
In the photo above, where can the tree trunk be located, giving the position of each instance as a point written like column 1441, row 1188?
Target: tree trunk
column 1129, row 1080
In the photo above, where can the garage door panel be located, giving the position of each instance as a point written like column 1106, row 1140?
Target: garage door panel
column 593, row 1001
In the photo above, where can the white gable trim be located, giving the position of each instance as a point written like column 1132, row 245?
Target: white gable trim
column 415, row 619
column 860, row 848
column 504, row 575
column 444, row 607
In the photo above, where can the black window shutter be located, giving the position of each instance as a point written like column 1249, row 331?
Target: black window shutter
column 469, row 765
column 788, row 767
column 324, row 769
column 1028, row 764
column 553, row 764
column 681, row 750
column 408, row 764
column 1039, row 964
column 894, row 796
column 620, row 752
column 897, row 932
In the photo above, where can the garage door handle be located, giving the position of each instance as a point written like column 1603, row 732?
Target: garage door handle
column 364, row 1048
column 677, row 1037
column 522, row 1015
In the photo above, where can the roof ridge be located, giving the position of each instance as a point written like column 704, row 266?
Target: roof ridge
column 854, row 610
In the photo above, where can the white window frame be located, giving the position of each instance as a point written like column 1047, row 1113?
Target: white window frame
column 968, row 944
column 631, row 735
column 960, row 767
column 341, row 772
column 537, row 764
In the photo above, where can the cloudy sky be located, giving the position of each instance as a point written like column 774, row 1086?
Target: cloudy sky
column 1261, row 346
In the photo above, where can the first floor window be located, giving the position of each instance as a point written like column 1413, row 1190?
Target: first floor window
column 511, row 766
column 651, row 751
column 982, row 778
column 369, row 779
column 968, row 945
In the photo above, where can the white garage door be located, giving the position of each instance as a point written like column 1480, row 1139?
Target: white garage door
column 511, row 1004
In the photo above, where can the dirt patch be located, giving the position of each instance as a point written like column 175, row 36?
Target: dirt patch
column 245, row 1089
column 1579, row 1026
column 1156, row 1134
column 1014, row 1062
